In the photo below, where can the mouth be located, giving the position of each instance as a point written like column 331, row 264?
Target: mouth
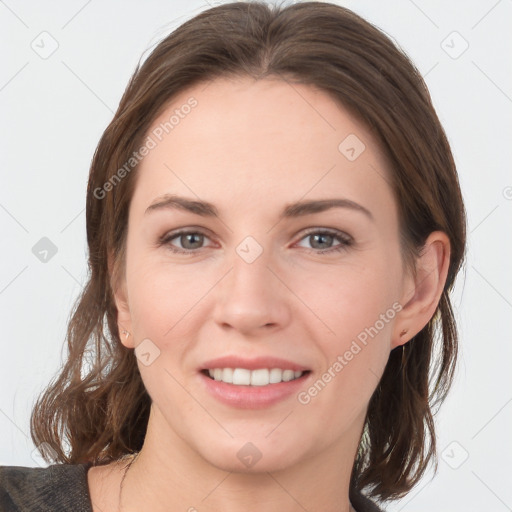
column 253, row 383
column 259, row 377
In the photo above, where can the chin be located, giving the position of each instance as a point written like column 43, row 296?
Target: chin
column 258, row 456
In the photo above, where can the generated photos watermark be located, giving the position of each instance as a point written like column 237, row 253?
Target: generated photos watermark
column 305, row 397
column 151, row 142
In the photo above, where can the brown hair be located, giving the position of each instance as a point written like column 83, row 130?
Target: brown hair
column 100, row 408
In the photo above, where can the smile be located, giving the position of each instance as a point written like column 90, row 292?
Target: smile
column 257, row 377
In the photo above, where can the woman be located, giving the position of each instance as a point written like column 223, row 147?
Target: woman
column 274, row 223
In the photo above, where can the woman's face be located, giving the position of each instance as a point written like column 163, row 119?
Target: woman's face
column 268, row 277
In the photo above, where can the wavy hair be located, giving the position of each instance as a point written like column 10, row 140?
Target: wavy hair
column 96, row 408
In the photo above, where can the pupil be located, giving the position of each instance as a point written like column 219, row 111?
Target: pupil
column 191, row 236
column 329, row 237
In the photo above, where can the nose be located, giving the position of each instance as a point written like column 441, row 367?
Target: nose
column 252, row 298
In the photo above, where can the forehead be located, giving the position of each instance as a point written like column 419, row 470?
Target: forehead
column 266, row 138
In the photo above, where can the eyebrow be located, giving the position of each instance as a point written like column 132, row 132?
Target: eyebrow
column 298, row 209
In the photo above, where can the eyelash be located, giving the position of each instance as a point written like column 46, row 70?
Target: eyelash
column 345, row 241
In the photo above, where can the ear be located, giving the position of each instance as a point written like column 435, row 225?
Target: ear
column 421, row 293
column 118, row 285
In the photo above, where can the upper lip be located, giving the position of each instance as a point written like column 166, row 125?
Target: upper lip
column 252, row 364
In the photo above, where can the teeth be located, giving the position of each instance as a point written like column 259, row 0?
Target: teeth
column 259, row 377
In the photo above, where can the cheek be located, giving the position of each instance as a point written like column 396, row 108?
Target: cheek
column 162, row 310
column 358, row 307
column 162, row 295
column 361, row 316
column 349, row 298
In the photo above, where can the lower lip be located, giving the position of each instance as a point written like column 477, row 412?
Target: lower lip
column 253, row 397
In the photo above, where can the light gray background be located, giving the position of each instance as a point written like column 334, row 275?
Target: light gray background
column 54, row 110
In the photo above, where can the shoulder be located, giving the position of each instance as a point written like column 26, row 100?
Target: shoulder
column 55, row 488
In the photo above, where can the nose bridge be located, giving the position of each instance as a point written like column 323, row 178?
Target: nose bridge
column 250, row 296
column 250, row 268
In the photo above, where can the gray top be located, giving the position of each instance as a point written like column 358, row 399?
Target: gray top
column 56, row 488
column 64, row 487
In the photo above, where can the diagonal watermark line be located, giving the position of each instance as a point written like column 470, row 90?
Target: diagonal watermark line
column 488, row 488
column 494, row 288
column 287, row 492
column 306, row 193
column 87, row 86
column 72, row 276
column 330, row 330
column 289, row 83
column 76, row 14
column 198, row 301
column 381, row 175
column 415, row 496
column 237, row 29
column 199, row 403
column 424, row 14
column 217, row 486
column 14, row 423
column 189, row 14
column 280, row 423
column 72, row 220
column 491, row 80
column 501, row 409
column 227, row 227
column 376, row 376
column 485, row 15
column 13, row 13
column 492, row 211
column 14, row 76
column 431, row 69
column 14, row 218
column 13, row 279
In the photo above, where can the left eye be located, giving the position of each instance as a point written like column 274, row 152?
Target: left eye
column 323, row 238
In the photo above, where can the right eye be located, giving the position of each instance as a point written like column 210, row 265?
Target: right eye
column 189, row 240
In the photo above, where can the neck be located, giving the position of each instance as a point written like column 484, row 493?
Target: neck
column 171, row 475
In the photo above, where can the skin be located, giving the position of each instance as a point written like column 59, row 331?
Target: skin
column 251, row 148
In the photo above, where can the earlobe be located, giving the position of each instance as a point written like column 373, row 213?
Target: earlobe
column 420, row 299
column 123, row 316
column 126, row 334
column 118, row 286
